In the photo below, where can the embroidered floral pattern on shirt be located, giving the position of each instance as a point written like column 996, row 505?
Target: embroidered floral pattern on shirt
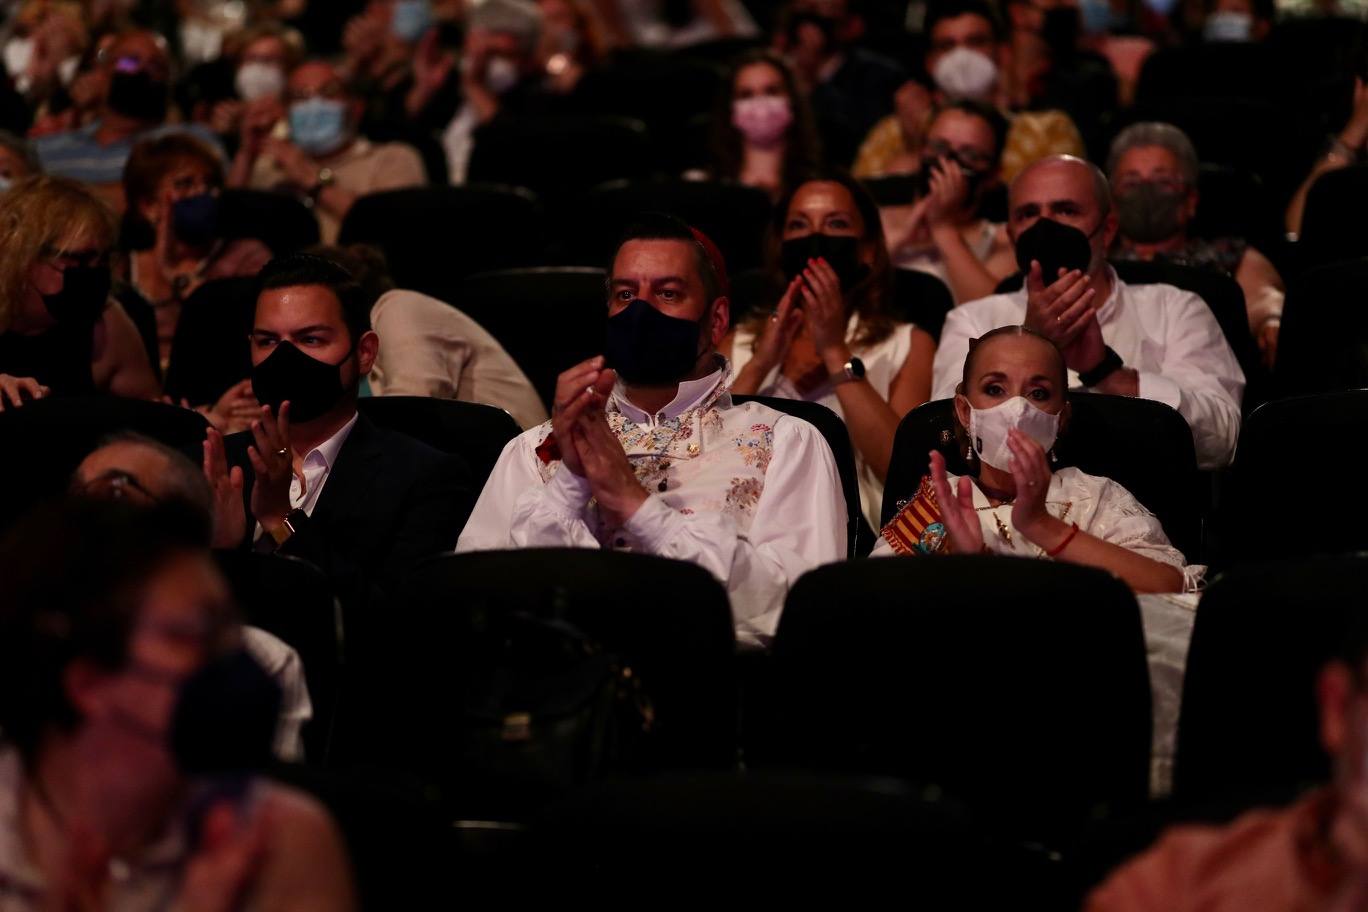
column 757, row 447
column 744, row 494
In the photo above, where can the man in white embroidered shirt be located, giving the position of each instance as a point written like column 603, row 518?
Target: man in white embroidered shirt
column 647, row 452
column 1151, row 341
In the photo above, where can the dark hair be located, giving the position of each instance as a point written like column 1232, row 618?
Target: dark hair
column 803, row 149
column 184, row 481
column 152, row 159
column 660, row 226
column 872, row 297
column 953, row 9
column 975, row 345
column 299, row 269
column 365, row 262
column 74, row 577
column 985, row 112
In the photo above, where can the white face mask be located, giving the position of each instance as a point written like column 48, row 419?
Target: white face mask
column 988, row 429
column 1228, row 26
column 18, row 53
column 966, row 73
column 256, row 79
column 501, row 75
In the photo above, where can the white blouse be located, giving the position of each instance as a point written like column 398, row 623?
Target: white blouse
column 1101, row 507
column 882, row 361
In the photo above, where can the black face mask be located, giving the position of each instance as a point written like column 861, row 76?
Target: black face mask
column 225, row 717
column 138, row 95
column 842, row 252
column 85, row 291
column 195, row 219
column 649, row 348
column 1056, row 245
column 1149, row 214
column 312, row 387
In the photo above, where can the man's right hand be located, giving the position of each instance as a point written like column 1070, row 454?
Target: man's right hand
column 1059, row 311
column 575, row 391
column 273, row 462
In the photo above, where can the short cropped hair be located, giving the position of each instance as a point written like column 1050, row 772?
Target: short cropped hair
column 305, row 269
column 1155, row 133
column 988, row 113
column 952, row 9
column 659, row 226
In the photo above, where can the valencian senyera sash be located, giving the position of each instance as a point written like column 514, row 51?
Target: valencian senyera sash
column 918, row 529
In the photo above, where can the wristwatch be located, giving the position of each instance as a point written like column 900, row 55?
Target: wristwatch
column 1111, row 363
column 853, row 369
column 288, row 527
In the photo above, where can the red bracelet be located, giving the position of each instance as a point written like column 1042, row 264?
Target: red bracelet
column 1058, row 549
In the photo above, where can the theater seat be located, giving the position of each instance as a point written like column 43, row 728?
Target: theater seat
column 292, row 599
column 588, row 151
column 472, row 430
column 1333, row 227
column 433, row 237
column 1323, row 344
column 1019, row 687
column 278, row 220
column 1249, row 729
column 210, row 352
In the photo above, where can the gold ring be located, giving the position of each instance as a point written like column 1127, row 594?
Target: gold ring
column 282, row 451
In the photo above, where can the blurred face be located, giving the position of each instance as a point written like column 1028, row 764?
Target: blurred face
column 1154, row 165
column 664, row 274
column 12, row 167
column 1062, row 191
column 182, row 621
column 965, row 138
column 316, row 80
column 968, row 31
column 140, row 51
column 122, row 471
column 268, row 49
column 826, row 207
column 310, row 318
column 758, row 80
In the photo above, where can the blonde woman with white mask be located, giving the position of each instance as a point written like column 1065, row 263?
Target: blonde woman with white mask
column 1010, row 409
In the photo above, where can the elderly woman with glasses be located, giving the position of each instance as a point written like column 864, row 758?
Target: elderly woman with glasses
column 60, row 332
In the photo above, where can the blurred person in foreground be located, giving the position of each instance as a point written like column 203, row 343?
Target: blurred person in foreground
column 120, row 654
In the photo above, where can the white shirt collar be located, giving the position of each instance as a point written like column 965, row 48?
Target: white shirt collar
column 690, row 393
column 327, row 451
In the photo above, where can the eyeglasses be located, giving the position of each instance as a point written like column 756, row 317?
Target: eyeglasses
column 62, row 259
column 116, row 484
column 966, row 156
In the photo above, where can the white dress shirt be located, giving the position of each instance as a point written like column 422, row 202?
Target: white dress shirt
column 429, row 348
column 317, row 465
column 882, row 361
column 1166, row 334
column 283, row 664
column 750, row 494
column 1101, row 507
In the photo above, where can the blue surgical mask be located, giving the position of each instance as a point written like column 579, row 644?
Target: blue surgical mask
column 411, row 19
column 1228, row 26
column 318, row 125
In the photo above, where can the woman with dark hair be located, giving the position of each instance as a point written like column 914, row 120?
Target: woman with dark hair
column 1010, row 408
column 833, row 338
column 763, row 131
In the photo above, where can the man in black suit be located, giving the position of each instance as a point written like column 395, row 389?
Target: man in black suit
column 313, row 478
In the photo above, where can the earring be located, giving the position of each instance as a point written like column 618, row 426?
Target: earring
column 969, row 455
column 1054, row 458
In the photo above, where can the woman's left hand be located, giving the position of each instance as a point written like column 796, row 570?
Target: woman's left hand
column 1031, row 472
column 824, row 307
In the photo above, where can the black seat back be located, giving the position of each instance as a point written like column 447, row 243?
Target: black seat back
column 1333, row 226
column 278, row 220
column 472, row 430
column 1323, row 344
column 547, row 319
column 1249, row 728
column 1146, row 447
column 210, row 351
column 47, row 439
column 433, row 237
column 921, row 298
column 1017, row 686
column 588, row 151
column 292, row 600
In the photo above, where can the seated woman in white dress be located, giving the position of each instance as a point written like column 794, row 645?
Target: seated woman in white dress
column 1010, row 409
column 833, row 338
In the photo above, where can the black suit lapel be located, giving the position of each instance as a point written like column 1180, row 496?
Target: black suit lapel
column 351, row 480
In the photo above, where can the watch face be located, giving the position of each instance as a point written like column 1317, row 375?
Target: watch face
column 856, row 368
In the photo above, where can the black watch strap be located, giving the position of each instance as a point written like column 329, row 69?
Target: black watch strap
column 1111, row 363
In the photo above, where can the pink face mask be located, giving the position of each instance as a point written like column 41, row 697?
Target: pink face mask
column 763, row 119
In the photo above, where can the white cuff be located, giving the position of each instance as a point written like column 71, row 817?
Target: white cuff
column 1159, row 388
column 653, row 525
column 567, row 494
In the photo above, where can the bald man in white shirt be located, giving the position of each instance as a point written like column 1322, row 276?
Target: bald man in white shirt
column 1152, row 341
column 647, row 452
